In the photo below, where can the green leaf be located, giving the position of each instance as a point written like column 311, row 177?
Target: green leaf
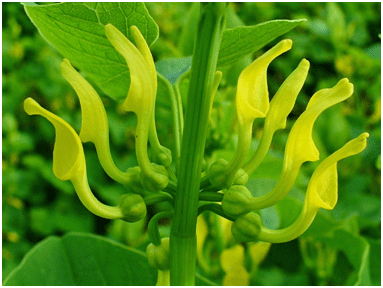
column 238, row 42
column 173, row 68
column 375, row 261
column 83, row 260
column 357, row 251
column 76, row 30
column 338, row 234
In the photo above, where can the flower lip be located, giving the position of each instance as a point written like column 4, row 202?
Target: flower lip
column 68, row 155
column 252, row 94
column 332, row 95
column 323, row 186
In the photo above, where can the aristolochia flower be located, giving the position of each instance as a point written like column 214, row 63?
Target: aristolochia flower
column 68, row 155
column 322, row 192
column 252, row 102
column 69, row 164
column 141, row 100
column 94, row 127
column 300, row 147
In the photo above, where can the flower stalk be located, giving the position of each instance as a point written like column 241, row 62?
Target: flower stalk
column 183, row 232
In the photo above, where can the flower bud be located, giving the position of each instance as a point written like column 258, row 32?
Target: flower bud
column 163, row 156
column 158, row 256
column 247, row 227
column 236, row 201
column 219, row 178
column 132, row 207
column 157, row 180
column 134, row 185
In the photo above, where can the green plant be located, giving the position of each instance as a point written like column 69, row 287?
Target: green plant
column 175, row 177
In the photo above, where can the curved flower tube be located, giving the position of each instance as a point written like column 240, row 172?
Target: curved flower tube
column 162, row 154
column 300, row 146
column 94, row 127
column 141, row 100
column 252, row 102
column 280, row 107
column 69, row 163
column 322, row 192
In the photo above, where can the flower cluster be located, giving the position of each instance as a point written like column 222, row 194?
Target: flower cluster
column 149, row 182
column 68, row 155
column 252, row 101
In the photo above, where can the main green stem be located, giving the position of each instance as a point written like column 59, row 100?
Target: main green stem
column 183, row 233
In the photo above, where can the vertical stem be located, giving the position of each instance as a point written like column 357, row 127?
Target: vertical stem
column 183, row 232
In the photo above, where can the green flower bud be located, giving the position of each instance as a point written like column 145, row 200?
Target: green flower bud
column 134, row 185
column 241, row 177
column 163, row 156
column 132, row 207
column 158, row 256
column 157, row 180
column 247, row 228
column 219, row 178
column 236, row 201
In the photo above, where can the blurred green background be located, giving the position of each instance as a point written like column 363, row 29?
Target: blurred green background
column 339, row 39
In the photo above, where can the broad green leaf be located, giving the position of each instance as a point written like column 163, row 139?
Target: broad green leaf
column 375, row 261
column 238, row 42
column 338, row 234
column 82, row 260
column 172, row 68
column 357, row 251
column 76, row 30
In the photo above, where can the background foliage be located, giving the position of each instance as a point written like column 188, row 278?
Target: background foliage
column 340, row 40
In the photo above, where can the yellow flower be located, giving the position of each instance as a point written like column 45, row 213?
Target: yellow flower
column 322, row 192
column 94, row 127
column 69, row 164
column 141, row 100
column 300, row 146
column 280, row 107
column 252, row 94
column 252, row 102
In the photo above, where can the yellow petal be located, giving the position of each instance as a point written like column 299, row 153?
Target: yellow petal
column 252, row 94
column 232, row 258
column 94, row 127
column 300, row 145
column 258, row 251
column 239, row 277
column 322, row 191
column 68, row 154
column 142, row 91
column 283, row 101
